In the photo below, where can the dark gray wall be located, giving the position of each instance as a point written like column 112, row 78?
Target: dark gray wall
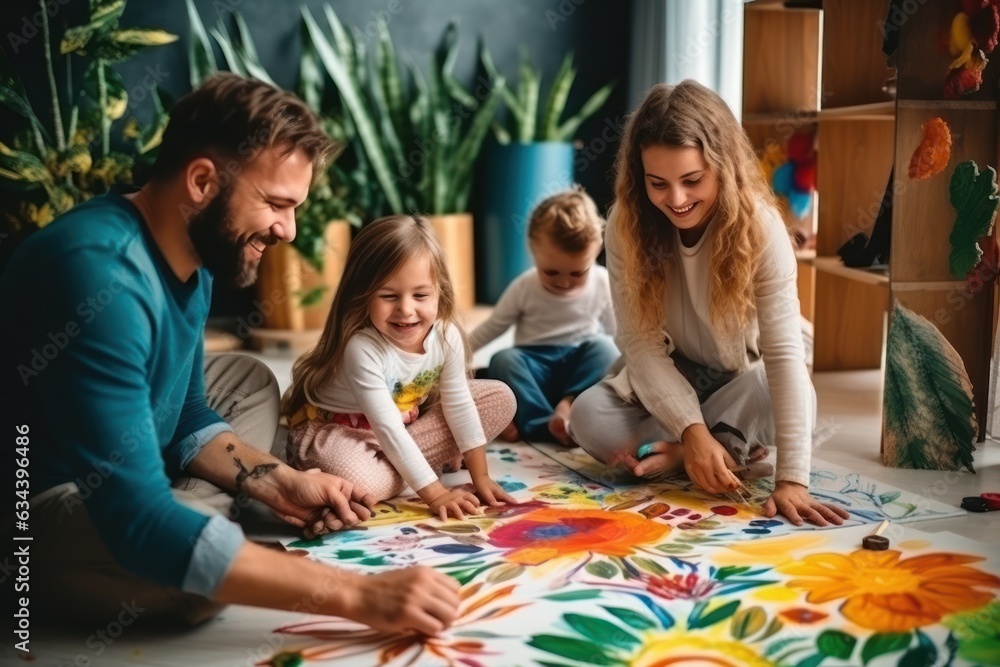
column 596, row 30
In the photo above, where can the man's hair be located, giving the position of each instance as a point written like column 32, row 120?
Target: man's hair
column 230, row 117
column 569, row 219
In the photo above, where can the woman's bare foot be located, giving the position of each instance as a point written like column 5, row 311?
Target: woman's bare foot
column 510, row 434
column 559, row 423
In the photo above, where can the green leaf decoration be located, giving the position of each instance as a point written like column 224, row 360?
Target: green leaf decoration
column 773, row 628
column 609, row 633
column 747, row 622
column 579, row 650
column 974, row 196
column 812, row 661
column 602, row 569
column 835, row 644
column 698, row 619
column 631, row 618
column 729, row 571
column 884, row 642
column 505, row 573
column 649, row 565
column 888, row 497
column 928, row 415
column 309, row 298
column 572, row 596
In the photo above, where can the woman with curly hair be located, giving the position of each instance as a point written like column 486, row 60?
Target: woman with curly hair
column 703, row 278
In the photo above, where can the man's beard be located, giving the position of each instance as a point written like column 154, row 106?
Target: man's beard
column 213, row 233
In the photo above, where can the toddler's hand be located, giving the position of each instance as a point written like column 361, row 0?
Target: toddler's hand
column 454, row 502
column 411, row 416
column 490, row 492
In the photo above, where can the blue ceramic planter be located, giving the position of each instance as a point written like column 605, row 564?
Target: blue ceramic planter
column 518, row 177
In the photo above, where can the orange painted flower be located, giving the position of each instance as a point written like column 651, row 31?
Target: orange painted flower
column 548, row 533
column 887, row 594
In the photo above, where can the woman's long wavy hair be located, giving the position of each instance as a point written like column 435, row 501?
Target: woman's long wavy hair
column 690, row 115
column 375, row 256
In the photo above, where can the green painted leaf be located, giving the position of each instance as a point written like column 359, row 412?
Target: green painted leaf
column 773, row 628
column 781, row 645
column 602, row 569
column 919, row 656
column 571, row 596
column 631, row 618
column 730, row 570
column 306, row 544
column 649, row 565
column 697, row 620
column 888, row 496
column 747, row 622
column 812, row 661
column 836, row 644
column 578, row 650
column 974, row 196
column 884, row 642
column 505, row 573
column 597, row 628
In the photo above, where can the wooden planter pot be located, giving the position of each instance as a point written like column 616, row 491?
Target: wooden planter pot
column 455, row 232
column 284, row 277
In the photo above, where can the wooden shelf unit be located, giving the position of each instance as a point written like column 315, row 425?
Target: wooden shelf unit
column 824, row 69
column 922, row 213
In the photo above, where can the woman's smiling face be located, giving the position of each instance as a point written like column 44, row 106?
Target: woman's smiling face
column 680, row 183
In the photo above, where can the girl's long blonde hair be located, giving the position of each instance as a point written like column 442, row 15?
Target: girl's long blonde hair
column 375, row 255
column 690, row 115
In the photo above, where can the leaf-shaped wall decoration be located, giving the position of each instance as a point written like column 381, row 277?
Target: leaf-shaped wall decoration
column 974, row 196
column 928, row 415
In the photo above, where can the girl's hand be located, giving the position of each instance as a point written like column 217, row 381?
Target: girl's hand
column 794, row 501
column 454, row 502
column 707, row 462
column 411, row 416
column 490, row 492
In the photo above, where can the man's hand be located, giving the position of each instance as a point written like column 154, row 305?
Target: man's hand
column 419, row 599
column 317, row 501
column 795, row 502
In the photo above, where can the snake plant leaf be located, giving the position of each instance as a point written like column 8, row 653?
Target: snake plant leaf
column 152, row 137
column 143, row 37
column 345, row 46
column 471, row 145
column 928, row 415
column 233, row 60
column 556, row 102
column 505, row 94
column 390, row 81
column 589, row 108
column 246, row 51
column 310, row 74
column 337, row 68
column 529, row 85
column 201, row 58
column 974, row 196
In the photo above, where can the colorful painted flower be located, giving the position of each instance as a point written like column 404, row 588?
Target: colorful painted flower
column 552, row 532
column 691, row 650
column 887, row 594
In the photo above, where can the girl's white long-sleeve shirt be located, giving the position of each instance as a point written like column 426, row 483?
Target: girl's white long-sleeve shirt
column 775, row 335
column 382, row 382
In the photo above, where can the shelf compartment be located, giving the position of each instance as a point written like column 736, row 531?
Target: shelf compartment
column 835, row 266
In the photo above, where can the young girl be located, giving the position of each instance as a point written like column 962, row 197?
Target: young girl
column 390, row 346
column 703, row 277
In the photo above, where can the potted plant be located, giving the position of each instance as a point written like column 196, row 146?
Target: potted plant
column 418, row 138
column 296, row 281
column 49, row 167
column 532, row 159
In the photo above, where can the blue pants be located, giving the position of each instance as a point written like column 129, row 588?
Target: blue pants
column 543, row 375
